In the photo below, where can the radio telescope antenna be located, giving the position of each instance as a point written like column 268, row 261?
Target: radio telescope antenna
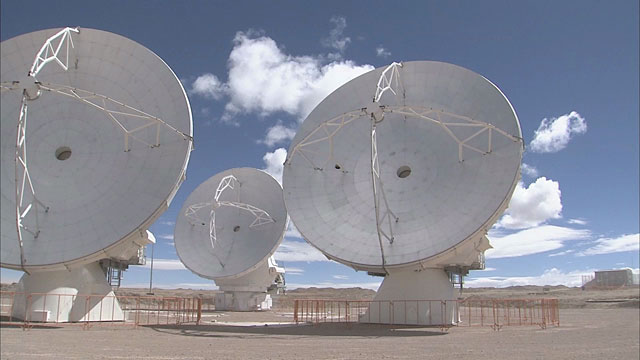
column 408, row 166
column 106, row 148
column 228, row 182
column 239, row 226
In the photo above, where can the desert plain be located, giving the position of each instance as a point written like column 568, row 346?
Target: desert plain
column 594, row 324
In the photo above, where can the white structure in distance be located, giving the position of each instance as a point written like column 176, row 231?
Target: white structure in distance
column 227, row 231
column 96, row 137
column 401, row 172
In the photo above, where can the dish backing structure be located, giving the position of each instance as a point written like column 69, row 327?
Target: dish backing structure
column 227, row 231
column 401, row 172
column 96, row 137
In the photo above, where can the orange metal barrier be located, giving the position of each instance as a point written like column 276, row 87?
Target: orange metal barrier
column 409, row 312
column 471, row 312
column 134, row 310
column 508, row 312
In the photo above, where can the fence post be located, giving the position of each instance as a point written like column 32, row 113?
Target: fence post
column 137, row 318
column 27, row 314
column 13, row 301
column 157, row 312
column 101, row 303
column 405, row 311
column 166, row 305
column 87, row 309
column 199, row 312
column 506, row 305
column 44, row 307
column 113, row 309
column 544, row 313
column 346, row 311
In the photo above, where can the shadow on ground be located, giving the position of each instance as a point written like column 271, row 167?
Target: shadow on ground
column 7, row 322
column 319, row 330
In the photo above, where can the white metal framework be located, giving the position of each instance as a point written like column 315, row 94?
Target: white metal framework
column 116, row 111
column 23, row 183
column 49, row 51
column 386, row 80
column 24, row 186
column 57, row 49
column 378, row 186
column 227, row 182
column 390, row 80
column 377, row 115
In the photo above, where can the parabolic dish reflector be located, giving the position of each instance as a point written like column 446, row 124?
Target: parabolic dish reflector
column 230, row 223
column 107, row 144
column 403, row 163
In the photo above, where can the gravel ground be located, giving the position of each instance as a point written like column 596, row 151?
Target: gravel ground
column 583, row 334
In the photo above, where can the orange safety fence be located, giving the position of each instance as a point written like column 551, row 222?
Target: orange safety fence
column 445, row 313
column 409, row 312
column 508, row 312
column 53, row 309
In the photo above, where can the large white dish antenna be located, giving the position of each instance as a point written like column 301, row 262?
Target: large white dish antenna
column 101, row 150
column 231, row 223
column 403, row 164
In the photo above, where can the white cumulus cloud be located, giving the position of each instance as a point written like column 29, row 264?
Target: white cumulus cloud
column 278, row 134
column 533, row 205
column 209, row 86
column 294, row 250
column 274, row 162
column 532, row 241
column 554, row 134
column 263, row 79
column 630, row 242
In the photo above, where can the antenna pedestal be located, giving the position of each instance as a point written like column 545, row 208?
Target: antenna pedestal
column 412, row 297
column 79, row 295
column 243, row 301
column 248, row 292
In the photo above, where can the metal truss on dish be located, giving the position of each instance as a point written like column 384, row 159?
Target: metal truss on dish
column 228, row 229
column 402, row 171
column 96, row 137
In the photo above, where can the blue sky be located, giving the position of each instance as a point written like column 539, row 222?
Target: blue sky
column 253, row 70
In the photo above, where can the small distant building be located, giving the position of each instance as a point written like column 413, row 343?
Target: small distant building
column 613, row 278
